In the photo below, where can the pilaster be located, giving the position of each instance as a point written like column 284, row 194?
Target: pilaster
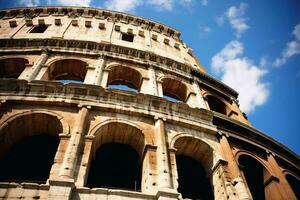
column 99, row 70
column 38, row 65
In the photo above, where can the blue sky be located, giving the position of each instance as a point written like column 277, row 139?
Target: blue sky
column 253, row 46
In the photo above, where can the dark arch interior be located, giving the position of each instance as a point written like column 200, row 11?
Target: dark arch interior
column 29, row 159
column 68, row 70
column 115, row 166
column 295, row 185
column 216, row 104
column 12, row 67
column 254, row 174
column 192, row 179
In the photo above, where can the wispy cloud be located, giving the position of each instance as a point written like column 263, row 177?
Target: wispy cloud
column 240, row 73
column 83, row 3
column 236, row 18
column 29, row 2
column 122, row 5
column 204, row 2
column 291, row 49
column 235, row 15
column 161, row 4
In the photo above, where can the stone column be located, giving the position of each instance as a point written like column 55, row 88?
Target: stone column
column 38, row 65
column 160, row 92
column 73, row 150
column 104, row 79
column 89, row 76
column 233, row 173
column 164, row 171
column 200, row 102
column 284, row 186
column 152, row 80
column 98, row 70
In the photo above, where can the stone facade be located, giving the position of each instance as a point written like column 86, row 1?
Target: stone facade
column 43, row 48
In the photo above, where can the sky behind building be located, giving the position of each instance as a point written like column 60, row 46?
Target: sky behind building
column 253, row 46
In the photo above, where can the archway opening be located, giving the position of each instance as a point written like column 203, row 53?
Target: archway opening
column 192, row 179
column 194, row 160
column 29, row 160
column 115, row 166
column 119, row 148
column 295, row 184
column 28, row 144
column 254, row 173
column 68, row 71
column 124, row 78
column 12, row 67
column 174, row 90
column 216, row 104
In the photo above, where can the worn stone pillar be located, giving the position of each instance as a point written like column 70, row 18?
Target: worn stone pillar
column 99, row 69
column 74, row 145
column 233, row 173
column 200, row 102
column 283, row 185
column 164, row 171
column 38, row 65
column 160, row 92
column 89, row 78
column 152, row 80
column 104, row 78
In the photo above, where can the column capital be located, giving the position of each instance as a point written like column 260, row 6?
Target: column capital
column 84, row 106
column 160, row 118
column 270, row 153
column 221, row 133
column 46, row 51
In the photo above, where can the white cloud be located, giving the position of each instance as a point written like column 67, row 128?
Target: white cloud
column 241, row 74
column 29, row 2
column 83, row 3
column 162, row 4
column 235, row 16
column 206, row 29
column 122, row 5
column 220, row 20
column 292, row 48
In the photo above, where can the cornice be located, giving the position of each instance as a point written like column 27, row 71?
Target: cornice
column 88, row 12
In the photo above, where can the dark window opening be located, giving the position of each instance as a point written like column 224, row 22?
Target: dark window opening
column 295, row 185
column 115, row 166
column 127, row 37
column 254, row 175
column 216, row 104
column 39, row 29
column 29, row 160
column 192, row 179
column 171, row 97
column 12, row 67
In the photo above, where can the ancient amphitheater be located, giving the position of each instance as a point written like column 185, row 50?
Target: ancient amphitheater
column 97, row 104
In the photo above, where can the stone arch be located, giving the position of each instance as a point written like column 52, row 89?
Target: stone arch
column 194, row 159
column 174, row 87
column 121, row 140
column 12, row 67
column 294, row 182
column 124, row 75
column 66, row 69
column 256, row 174
column 24, row 132
column 216, row 103
column 100, row 132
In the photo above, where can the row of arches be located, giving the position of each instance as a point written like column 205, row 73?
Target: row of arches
column 29, row 144
column 120, row 77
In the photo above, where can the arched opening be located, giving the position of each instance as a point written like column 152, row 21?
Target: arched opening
column 68, row 71
column 28, row 146
column 115, row 166
column 194, row 160
column 124, row 78
column 254, row 173
column 117, row 153
column 295, row 184
column 192, row 179
column 12, row 67
column 174, row 90
column 29, row 160
column 216, row 104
